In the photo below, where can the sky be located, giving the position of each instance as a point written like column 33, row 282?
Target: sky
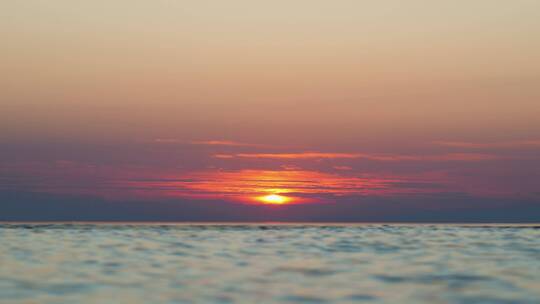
column 270, row 110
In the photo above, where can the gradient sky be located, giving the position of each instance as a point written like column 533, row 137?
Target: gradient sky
column 354, row 110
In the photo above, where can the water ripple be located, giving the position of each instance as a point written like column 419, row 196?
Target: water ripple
column 269, row 263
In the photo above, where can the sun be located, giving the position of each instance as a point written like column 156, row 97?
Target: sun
column 274, row 199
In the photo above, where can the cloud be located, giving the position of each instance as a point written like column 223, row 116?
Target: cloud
column 500, row 144
column 373, row 157
column 344, row 168
column 224, row 156
column 302, row 155
column 242, row 185
column 218, row 143
column 462, row 157
column 141, row 183
column 167, row 141
column 228, row 143
column 290, row 167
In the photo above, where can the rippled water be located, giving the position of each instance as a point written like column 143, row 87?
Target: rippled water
column 133, row 263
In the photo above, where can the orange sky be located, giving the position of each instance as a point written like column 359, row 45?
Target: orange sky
column 200, row 98
column 315, row 71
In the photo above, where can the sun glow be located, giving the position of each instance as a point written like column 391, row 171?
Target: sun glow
column 274, row 199
column 266, row 187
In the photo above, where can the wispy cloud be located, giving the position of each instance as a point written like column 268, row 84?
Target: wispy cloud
column 167, row 141
column 343, row 168
column 373, row 157
column 302, row 155
column 499, row 144
column 461, row 157
column 224, row 156
column 229, row 143
column 244, row 184
column 218, row 143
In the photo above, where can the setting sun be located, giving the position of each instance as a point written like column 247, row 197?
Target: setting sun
column 274, row 199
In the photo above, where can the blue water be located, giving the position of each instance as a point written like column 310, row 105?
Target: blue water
column 153, row 263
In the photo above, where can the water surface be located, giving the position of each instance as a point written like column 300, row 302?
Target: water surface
column 294, row 263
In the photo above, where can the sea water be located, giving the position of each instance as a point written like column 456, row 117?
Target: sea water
column 268, row 263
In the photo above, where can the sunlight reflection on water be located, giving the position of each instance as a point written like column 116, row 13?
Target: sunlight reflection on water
column 131, row 263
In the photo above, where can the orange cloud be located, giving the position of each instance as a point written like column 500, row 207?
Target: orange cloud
column 224, row 156
column 299, row 185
